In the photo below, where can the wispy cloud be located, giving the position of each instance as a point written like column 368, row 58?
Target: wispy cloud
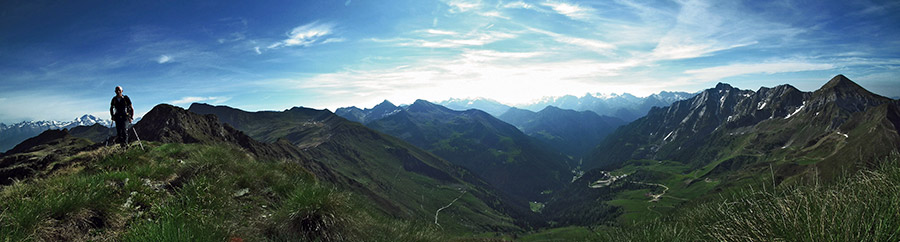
column 232, row 38
column 588, row 44
column 163, row 59
column 440, row 32
column 453, row 40
column 518, row 4
column 333, row 40
column 459, row 6
column 188, row 100
column 702, row 28
column 495, row 14
column 719, row 72
column 308, row 35
column 572, row 10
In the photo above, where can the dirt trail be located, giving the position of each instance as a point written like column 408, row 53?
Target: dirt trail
column 442, row 208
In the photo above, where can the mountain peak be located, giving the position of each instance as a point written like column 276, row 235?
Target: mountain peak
column 422, row 102
column 199, row 105
column 552, row 108
column 167, row 123
column 421, row 105
column 385, row 103
column 841, row 82
column 723, row 86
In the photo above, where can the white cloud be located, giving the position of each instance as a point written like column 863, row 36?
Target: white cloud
column 509, row 77
column 333, row 40
column 517, row 5
column 571, row 10
column 163, row 59
column 440, row 32
column 236, row 36
column 188, row 100
column 275, row 45
column 495, row 14
column 308, row 35
column 589, row 44
column 701, row 28
column 720, row 72
column 475, row 38
column 257, row 50
column 460, row 6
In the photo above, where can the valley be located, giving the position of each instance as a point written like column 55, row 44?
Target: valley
column 450, row 120
column 469, row 174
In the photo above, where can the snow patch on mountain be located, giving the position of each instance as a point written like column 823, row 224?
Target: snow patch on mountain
column 796, row 111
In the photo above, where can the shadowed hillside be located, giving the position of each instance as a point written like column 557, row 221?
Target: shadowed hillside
column 497, row 151
column 571, row 132
column 391, row 171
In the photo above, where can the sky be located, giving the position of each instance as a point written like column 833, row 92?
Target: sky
column 62, row 59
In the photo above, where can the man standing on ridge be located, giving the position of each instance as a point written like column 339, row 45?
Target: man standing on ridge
column 122, row 113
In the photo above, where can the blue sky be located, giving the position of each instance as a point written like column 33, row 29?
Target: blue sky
column 62, row 59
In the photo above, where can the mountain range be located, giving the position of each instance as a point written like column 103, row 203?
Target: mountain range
column 739, row 127
column 572, row 132
column 400, row 178
column 463, row 172
column 623, row 106
column 484, row 104
column 13, row 134
column 726, row 139
column 487, row 146
column 365, row 116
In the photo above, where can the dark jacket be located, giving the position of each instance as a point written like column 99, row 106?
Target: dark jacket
column 120, row 108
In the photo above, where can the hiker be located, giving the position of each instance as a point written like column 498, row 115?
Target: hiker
column 122, row 113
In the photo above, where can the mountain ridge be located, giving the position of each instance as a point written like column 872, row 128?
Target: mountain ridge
column 368, row 161
column 13, row 134
column 381, row 110
column 771, row 120
column 574, row 133
column 726, row 139
column 496, row 150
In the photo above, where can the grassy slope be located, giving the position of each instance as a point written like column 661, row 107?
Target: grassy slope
column 405, row 181
column 790, row 151
column 420, row 192
column 863, row 207
column 495, row 150
column 683, row 186
column 180, row 192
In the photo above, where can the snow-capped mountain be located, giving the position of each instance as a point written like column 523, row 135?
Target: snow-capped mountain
column 13, row 134
column 623, row 106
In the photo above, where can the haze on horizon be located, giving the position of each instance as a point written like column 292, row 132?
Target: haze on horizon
column 62, row 59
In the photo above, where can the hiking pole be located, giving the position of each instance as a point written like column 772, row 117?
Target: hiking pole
column 138, row 137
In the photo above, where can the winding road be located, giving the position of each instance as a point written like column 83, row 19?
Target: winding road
column 655, row 197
